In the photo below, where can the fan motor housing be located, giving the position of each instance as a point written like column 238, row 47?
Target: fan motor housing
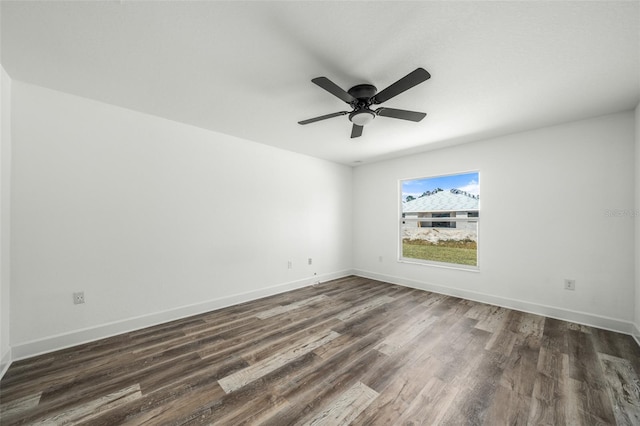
column 363, row 91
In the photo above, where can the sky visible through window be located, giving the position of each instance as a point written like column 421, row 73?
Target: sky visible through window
column 467, row 182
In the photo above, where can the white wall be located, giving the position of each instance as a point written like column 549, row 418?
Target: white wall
column 156, row 219
column 637, row 223
column 5, row 212
column 545, row 195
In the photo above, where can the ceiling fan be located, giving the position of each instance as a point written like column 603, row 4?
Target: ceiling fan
column 363, row 96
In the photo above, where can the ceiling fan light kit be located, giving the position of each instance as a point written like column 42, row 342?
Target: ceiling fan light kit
column 362, row 96
column 362, row 117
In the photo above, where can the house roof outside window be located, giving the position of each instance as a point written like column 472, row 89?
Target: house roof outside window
column 446, row 200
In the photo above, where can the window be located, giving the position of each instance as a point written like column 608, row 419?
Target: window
column 439, row 220
column 442, row 224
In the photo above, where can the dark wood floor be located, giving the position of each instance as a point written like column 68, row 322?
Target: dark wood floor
column 351, row 351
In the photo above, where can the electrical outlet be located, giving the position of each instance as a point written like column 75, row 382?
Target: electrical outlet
column 78, row 298
column 380, row 259
column 569, row 284
column 289, row 265
column 310, row 261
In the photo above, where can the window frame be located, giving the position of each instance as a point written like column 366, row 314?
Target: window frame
column 402, row 220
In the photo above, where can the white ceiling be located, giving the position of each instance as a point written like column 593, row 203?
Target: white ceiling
column 244, row 68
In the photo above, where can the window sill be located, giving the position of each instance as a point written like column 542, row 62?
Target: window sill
column 465, row 268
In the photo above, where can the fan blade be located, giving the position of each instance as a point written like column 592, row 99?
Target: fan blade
column 400, row 113
column 322, row 117
column 356, row 131
column 334, row 89
column 405, row 83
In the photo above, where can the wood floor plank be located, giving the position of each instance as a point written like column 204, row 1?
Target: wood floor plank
column 100, row 380
column 247, row 375
column 361, row 309
column 258, row 396
column 313, row 398
column 405, row 333
column 483, row 370
column 433, row 403
column 550, row 398
column 520, row 368
column 624, row 389
column 17, row 407
column 264, row 333
column 346, row 407
column 590, row 405
column 554, row 335
column 618, row 345
column 508, row 408
column 279, row 310
column 529, row 325
column 350, row 351
column 410, row 361
column 173, row 400
column 401, row 395
column 90, row 409
column 173, row 410
column 278, row 344
column 494, row 320
column 383, row 321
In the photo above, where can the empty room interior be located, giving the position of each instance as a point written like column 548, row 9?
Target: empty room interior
column 350, row 212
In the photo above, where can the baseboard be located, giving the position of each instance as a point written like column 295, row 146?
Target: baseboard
column 5, row 362
column 77, row 337
column 606, row 323
column 636, row 333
